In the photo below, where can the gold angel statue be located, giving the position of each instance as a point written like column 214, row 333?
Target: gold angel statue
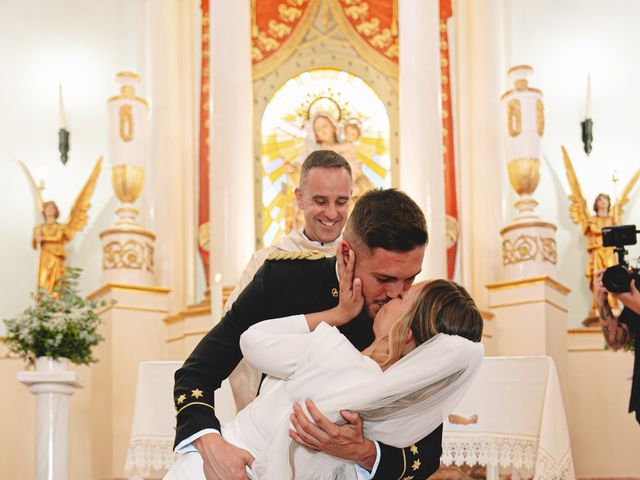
column 51, row 236
column 591, row 225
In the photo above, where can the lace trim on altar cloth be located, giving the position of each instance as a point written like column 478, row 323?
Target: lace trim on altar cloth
column 149, row 456
column 514, row 456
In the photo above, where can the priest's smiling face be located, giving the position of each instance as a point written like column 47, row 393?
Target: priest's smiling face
column 324, row 199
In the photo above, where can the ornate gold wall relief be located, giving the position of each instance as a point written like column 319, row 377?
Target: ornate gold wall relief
column 527, row 248
column 131, row 254
column 126, row 123
column 540, row 117
column 514, row 117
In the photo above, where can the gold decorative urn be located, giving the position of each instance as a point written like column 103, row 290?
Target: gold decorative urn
column 528, row 246
column 127, row 250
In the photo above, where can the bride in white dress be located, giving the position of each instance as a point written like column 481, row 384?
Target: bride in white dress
column 425, row 353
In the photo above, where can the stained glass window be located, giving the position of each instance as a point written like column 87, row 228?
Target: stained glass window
column 319, row 109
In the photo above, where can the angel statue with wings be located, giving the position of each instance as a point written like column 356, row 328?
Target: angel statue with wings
column 51, row 236
column 605, row 215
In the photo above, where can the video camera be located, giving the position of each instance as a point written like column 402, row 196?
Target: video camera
column 617, row 278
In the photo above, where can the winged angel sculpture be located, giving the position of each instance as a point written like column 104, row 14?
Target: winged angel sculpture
column 51, row 236
column 591, row 225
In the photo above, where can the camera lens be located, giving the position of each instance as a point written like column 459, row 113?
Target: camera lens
column 616, row 279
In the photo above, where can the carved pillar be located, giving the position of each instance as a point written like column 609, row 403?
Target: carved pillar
column 528, row 243
column 127, row 248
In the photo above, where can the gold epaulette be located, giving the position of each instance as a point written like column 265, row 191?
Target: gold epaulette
column 303, row 255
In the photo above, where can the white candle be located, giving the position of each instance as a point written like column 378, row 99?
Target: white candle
column 588, row 96
column 61, row 120
column 216, row 298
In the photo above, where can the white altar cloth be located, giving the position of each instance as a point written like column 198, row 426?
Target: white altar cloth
column 521, row 425
column 150, row 451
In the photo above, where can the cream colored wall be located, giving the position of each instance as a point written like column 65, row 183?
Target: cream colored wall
column 564, row 41
column 604, row 437
column 81, row 45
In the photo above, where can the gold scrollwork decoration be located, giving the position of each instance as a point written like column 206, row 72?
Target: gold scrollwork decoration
column 548, row 249
column 131, row 254
column 126, row 123
column 540, row 117
column 149, row 251
column 528, row 248
column 514, row 117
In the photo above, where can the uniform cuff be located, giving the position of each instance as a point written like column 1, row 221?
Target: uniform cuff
column 363, row 473
column 186, row 445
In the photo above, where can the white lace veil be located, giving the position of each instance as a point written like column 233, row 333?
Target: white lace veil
column 407, row 403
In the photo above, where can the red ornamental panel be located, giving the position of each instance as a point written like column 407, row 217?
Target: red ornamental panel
column 277, row 26
column 451, row 197
column 374, row 24
column 203, row 154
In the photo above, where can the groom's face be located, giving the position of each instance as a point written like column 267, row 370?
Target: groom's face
column 386, row 274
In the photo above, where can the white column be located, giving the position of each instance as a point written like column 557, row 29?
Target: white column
column 483, row 172
column 171, row 98
column 52, row 390
column 421, row 162
column 231, row 173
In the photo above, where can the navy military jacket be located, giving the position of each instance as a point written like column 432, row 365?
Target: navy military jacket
column 281, row 288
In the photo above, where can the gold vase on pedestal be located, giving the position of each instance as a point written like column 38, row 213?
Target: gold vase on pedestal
column 528, row 246
column 127, row 247
column 524, row 175
column 127, row 181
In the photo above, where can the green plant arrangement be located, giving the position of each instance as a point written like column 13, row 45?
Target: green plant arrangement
column 58, row 325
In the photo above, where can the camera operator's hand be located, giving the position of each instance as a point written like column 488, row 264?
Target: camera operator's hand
column 599, row 289
column 630, row 299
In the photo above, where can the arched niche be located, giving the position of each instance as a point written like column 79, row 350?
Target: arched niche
column 323, row 47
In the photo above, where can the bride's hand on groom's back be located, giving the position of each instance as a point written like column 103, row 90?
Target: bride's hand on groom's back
column 222, row 461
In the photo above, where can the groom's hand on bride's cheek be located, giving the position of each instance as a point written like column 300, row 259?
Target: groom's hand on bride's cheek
column 342, row 441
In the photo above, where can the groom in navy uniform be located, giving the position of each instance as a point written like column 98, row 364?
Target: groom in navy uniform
column 387, row 232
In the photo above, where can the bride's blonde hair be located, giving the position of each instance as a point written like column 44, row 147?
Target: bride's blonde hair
column 441, row 306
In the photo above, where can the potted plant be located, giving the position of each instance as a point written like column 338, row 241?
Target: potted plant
column 58, row 327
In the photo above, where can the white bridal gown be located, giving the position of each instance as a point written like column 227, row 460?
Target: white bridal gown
column 399, row 406
column 299, row 365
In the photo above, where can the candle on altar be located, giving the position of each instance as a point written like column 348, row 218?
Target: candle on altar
column 216, row 298
column 61, row 118
column 588, row 109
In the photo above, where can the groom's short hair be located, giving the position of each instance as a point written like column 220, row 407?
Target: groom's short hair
column 323, row 159
column 387, row 219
